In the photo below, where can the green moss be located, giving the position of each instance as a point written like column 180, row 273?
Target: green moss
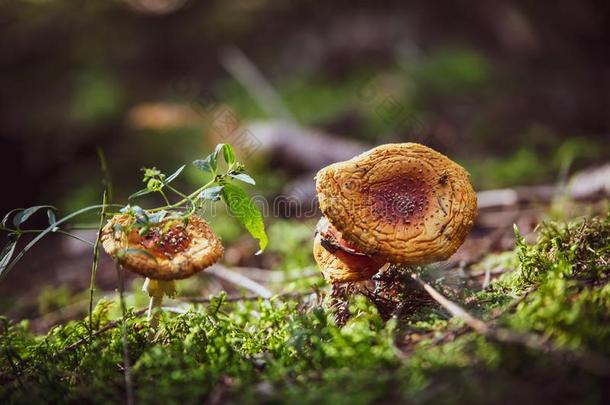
column 280, row 352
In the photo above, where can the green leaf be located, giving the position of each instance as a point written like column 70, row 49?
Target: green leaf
column 51, row 216
column 157, row 217
column 174, row 175
column 228, row 153
column 52, row 219
column 244, row 209
column 7, row 254
column 8, row 216
column 138, row 212
column 219, row 148
column 205, row 164
column 210, row 163
column 214, row 157
column 121, row 253
column 140, row 193
column 243, row 177
column 45, row 232
column 211, row 194
column 23, row 216
column 144, row 229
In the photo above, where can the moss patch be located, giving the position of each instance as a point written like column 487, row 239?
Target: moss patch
column 283, row 351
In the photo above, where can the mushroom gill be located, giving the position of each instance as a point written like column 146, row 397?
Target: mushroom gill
column 403, row 202
column 340, row 262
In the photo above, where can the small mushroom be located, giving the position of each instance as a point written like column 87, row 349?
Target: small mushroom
column 397, row 203
column 170, row 250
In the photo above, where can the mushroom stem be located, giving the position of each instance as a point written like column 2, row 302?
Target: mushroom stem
column 155, row 302
column 156, row 290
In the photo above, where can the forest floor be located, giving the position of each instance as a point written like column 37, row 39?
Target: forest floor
column 530, row 324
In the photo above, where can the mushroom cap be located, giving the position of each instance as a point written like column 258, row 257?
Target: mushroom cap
column 405, row 202
column 199, row 248
column 342, row 267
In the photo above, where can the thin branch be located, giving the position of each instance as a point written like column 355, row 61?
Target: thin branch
column 453, row 308
column 126, row 361
column 201, row 300
column 249, row 76
column 104, row 329
column 181, row 194
column 592, row 363
column 96, row 259
column 56, row 231
column 589, row 185
column 514, row 303
column 106, row 178
column 497, row 313
column 274, row 276
column 48, row 230
column 239, row 280
column 175, row 310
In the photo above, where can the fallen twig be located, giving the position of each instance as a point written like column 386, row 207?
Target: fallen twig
column 590, row 185
column 112, row 325
column 274, row 276
column 201, row 300
column 104, row 329
column 249, row 76
column 514, row 303
column 239, row 280
column 591, row 363
column 497, row 313
column 453, row 308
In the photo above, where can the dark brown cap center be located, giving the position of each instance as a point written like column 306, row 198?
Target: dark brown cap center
column 398, row 201
column 166, row 244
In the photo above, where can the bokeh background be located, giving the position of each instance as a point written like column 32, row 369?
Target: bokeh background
column 515, row 86
column 516, row 91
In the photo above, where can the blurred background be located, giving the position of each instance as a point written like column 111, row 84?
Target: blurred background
column 516, row 91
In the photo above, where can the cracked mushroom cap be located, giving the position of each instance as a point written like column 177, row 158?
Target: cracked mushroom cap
column 338, row 261
column 404, row 202
column 170, row 250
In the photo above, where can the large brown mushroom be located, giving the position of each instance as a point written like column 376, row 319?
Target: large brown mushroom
column 397, row 203
column 169, row 250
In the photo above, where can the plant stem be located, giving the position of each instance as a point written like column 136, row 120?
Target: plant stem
column 592, row 363
column 126, row 362
column 181, row 194
column 152, row 315
column 94, row 265
column 60, row 231
column 106, row 178
column 187, row 198
column 194, row 300
column 164, row 197
column 49, row 230
column 156, row 290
